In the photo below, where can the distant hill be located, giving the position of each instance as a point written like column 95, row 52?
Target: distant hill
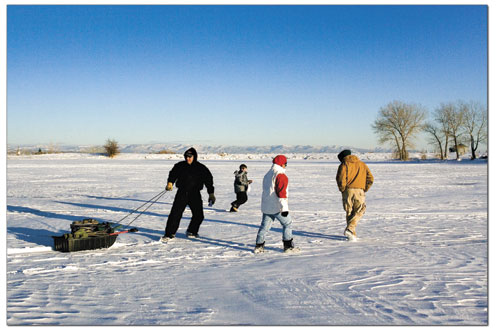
column 207, row 149
column 180, row 148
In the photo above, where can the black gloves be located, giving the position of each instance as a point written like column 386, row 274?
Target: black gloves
column 211, row 199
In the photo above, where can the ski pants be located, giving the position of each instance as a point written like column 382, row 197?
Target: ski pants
column 353, row 200
column 265, row 225
column 241, row 198
column 183, row 199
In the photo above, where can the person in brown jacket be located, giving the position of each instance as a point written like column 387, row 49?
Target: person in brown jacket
column 353, row 179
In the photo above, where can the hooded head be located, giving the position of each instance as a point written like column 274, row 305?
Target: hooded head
column 280, row 160
column 191, row 152
column 243, row 166
column 343, row 154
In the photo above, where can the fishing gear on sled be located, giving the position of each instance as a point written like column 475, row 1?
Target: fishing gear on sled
column 90, row 234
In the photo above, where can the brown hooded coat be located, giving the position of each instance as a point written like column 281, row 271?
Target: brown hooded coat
column 353, row 173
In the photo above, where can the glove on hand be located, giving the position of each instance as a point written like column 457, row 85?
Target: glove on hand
column 169, row 187
column 284, row 214
column 211, row 199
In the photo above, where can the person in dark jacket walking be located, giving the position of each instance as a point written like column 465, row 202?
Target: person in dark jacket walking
column 241, row 183
column 354, row 179
column 189, row 176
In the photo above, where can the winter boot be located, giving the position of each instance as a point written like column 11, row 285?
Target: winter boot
column 351, row 235
column 192, row 235
column 259, row 248
column 233, row 209
column 289, row 247
column 166, row 238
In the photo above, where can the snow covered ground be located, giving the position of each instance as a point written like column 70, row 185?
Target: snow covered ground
column 421, row 258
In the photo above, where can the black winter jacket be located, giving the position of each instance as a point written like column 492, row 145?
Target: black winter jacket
column 191, row 177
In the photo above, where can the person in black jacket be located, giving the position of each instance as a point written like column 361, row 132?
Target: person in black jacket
column 189, row 176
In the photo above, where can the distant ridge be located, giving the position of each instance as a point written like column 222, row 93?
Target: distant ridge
column 207, row 149
column 180, row 148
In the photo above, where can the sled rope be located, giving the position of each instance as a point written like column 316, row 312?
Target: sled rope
column 151, row 201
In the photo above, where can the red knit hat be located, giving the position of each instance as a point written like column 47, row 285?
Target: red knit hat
column 280, row 160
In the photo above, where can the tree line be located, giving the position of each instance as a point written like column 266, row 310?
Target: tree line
column 451, row 126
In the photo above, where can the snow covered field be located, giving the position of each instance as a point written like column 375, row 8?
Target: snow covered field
column 421, row 258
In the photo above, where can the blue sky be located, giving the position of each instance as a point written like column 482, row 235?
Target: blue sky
column 238, row 75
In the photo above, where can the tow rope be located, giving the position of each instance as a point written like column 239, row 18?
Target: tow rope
column 151, row 202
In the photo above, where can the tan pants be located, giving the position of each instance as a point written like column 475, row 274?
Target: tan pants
column 353, row 200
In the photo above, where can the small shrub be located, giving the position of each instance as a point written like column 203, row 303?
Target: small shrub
column 53, row 149
column 111, row 148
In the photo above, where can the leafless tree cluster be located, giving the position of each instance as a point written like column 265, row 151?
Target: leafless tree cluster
column 458, row 123
column 398, row 123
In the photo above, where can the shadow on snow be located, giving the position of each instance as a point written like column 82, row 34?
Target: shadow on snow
column 43, row 237
column 35, row 236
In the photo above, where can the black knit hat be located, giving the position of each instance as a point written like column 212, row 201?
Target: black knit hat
column 343, row 154
column 243, row 166
column 191, row 152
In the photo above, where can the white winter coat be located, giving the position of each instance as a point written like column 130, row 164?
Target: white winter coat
column 273, row 202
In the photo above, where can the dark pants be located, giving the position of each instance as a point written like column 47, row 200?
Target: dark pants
column 241, row 198
column 183, row 199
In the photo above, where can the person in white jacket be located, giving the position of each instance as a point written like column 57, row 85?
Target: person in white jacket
column 274, row 205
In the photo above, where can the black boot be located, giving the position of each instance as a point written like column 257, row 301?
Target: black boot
column 259, row 248
column 288, row 246
column 166, row 238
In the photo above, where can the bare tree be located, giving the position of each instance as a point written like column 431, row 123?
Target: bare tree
column 441, row 117
column 438, row 138
column 440, row 129
column 455, row 119
column 111, row 148
column 475, row 124
column 398, row 122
